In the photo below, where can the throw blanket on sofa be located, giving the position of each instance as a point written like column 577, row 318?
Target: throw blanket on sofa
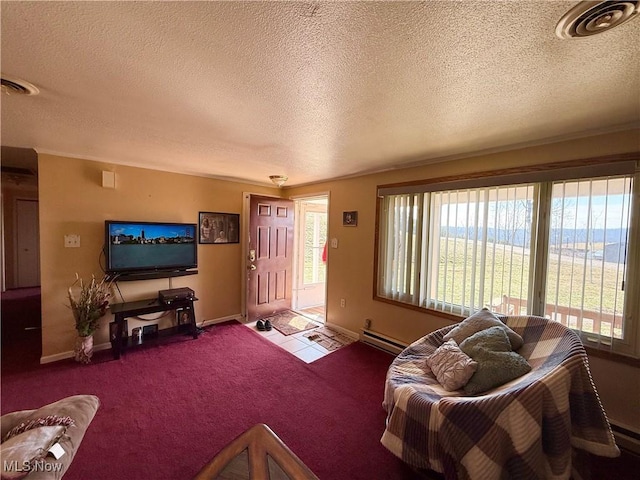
column 524, row 429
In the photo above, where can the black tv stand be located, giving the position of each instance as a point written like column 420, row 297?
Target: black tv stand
column 143, row 307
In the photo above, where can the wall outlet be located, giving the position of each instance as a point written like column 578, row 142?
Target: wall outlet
column 72, row 241
column 343, row 302
column 334, row 243
column 367, row 323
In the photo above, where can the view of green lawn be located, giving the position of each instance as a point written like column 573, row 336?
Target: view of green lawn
column 507, row 274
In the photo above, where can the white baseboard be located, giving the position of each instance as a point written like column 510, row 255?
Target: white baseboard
column 70, row 354
column 342, row 330
column 105, row 346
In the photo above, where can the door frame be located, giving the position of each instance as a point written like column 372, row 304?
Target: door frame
column 244, row 235
column 296, row 241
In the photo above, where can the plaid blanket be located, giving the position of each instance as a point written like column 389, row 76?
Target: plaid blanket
column 524, row 429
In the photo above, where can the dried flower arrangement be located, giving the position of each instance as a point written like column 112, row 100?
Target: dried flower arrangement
column 88, row 305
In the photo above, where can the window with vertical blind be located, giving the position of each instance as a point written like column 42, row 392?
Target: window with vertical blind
column 587, row 260
column 557, row 243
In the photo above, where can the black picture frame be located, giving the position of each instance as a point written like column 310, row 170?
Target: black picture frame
column 218, row 228
column 350, row 219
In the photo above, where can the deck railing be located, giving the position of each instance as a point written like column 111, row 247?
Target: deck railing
column 585, row 320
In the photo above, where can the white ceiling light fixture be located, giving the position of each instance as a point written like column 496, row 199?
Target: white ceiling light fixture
column 592, row 17
column 278, row 180
column 15, row 86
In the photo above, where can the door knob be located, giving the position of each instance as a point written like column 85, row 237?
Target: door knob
column 251, row 267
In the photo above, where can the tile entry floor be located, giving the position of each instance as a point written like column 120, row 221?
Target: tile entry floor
column 296, row 344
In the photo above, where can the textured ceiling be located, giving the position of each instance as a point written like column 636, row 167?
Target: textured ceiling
column 312, row 90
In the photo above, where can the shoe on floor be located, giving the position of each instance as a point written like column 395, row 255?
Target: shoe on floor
column 267, row 325
column 260, row 325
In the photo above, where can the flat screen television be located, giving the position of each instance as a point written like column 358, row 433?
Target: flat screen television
column 149, row 247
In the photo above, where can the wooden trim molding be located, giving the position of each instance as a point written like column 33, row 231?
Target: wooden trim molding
column 612, row 356
column 437, row 313
column 543, row 167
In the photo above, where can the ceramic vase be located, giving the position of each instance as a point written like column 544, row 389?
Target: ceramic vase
column 84, row 349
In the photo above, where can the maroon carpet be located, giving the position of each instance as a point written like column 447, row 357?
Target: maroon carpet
column 20, row 324
column 167, row 410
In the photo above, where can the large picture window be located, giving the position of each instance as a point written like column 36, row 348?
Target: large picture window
column 481, row 239
column 555, row 247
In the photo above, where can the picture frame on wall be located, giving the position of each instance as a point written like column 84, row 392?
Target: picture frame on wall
column 350, row 219
column 218, row 228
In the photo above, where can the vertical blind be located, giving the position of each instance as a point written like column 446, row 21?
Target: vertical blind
column 588, row 246
column 480, row 248
column 402, row 219
column 464, row 249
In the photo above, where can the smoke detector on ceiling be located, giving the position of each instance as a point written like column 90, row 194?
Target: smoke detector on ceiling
column 591, row 17
column 15, row 86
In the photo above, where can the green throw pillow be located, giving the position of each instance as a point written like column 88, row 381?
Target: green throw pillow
column 494, row 339
column 481, row 320
column 497, row 364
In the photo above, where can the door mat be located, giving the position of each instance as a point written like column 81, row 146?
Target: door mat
column 329, row 339
column 289, row 322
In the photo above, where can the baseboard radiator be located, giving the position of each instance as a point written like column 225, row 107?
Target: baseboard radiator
column 626, row 438
column 382, row 342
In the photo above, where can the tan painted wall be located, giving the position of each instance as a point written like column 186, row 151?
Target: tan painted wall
column 350, row 266
column 72, row 200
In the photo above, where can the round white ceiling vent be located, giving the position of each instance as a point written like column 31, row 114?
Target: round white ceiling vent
column 14, row 86
column 591, row 17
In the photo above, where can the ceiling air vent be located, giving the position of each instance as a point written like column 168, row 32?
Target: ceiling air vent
column 592, row 17
column 13, row 86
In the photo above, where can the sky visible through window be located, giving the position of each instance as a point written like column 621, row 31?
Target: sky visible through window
column 152, row 231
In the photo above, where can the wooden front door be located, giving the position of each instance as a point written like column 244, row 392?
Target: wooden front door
column 269, row 266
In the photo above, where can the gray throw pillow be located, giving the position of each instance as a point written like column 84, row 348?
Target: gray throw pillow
column 451, row 366
column 481, row 320
column 497, row 364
